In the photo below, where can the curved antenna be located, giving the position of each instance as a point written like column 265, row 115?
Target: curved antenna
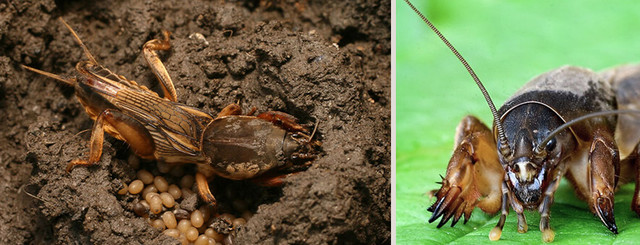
column 504, row 144
column 75, row 36
column 553, row 133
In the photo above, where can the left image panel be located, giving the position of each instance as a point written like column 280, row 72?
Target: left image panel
column 207, row 122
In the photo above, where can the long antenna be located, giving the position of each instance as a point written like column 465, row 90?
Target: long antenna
column 75, row 36
column 504, row 144
column 70, row 82
column 553, row 133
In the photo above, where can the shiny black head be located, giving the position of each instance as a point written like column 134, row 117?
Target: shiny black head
column 529, row 171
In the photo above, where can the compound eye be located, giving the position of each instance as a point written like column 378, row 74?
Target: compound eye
column 551, row 145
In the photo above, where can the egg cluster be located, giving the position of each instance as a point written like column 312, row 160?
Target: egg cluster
column 158, row 200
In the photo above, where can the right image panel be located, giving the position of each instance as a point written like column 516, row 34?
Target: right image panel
column 556, row 161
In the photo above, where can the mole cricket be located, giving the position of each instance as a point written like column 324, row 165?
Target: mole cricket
column 230, row 144
column 568, row 123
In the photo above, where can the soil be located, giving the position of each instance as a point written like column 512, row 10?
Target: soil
column 321, row 61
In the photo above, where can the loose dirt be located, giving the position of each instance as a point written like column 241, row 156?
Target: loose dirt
column 325, row 61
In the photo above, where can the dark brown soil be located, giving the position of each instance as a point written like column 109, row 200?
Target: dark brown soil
column 319, row 61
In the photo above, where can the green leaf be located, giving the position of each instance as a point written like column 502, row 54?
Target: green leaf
column 507, row 43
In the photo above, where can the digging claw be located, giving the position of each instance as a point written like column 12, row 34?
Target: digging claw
column 437, row 210
column 604, row 210
column 455, row 220
column 447, row 206
column 444, row 219
column 467, row 216
column 458, row 214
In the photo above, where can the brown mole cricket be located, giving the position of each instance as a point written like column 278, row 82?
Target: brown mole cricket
column 562, row 123
column 264, row 148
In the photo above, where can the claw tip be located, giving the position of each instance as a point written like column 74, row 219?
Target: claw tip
column 442, row 222
column 433, row 218
column 455, row 220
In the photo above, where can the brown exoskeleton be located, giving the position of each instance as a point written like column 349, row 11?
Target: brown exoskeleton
column 559, row 124
column 229, row 145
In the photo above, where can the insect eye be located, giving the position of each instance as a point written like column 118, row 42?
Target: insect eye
column 551, row 145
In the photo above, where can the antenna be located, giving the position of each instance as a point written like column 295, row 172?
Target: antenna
column 504, row 143
column 553, row 133
column 70, row 82
column 75, row 36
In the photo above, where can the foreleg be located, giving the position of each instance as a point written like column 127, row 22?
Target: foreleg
column 149, row 51
column 474, row 175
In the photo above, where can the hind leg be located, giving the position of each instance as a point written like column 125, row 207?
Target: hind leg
column 125, row 128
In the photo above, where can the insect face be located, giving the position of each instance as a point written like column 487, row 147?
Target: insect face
column 529, row 172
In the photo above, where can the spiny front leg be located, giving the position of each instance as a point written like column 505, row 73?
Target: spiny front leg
column 474, row 175
column 150, row 55
column 595, row 179
column 603, row 169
